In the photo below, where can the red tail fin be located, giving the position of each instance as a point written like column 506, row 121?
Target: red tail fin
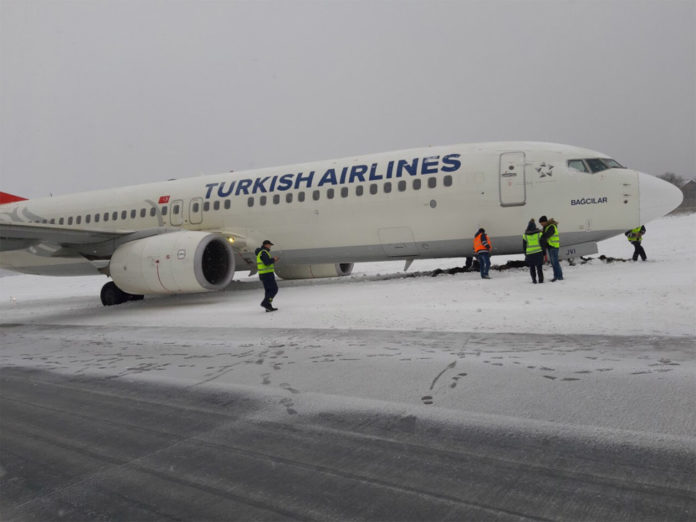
column 9, row 198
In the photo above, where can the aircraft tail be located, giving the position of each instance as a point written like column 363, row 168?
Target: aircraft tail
column 9, row 198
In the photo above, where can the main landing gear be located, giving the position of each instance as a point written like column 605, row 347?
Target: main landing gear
column 113, row 295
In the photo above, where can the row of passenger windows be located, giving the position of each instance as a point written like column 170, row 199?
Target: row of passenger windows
column 331, row 193
column 344, row 192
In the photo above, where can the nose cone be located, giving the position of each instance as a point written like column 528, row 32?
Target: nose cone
column 657, row 197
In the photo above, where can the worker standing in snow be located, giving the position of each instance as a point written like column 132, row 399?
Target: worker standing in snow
column 482, row 249
column 551, row 244
column 635, row 236
column 534, row 255
column 266, row 270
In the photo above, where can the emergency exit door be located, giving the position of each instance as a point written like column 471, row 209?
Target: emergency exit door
column 513, row 191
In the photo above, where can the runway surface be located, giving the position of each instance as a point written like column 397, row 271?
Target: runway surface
column 101, row 423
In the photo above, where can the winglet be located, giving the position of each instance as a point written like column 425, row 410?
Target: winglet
column 9, row 198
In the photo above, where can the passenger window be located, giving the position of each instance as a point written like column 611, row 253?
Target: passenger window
column 164, row 210
column 300, row 196
column 227, row 203
column 124, row 214
column 373, row 188
column 387, row 187
column 359, row 189
column 106, row 216
column 143, row 212
column 53, row 221
column 262, row 200
column 216, row 205
column 206, row 206
column 195, row 207
column 114, row 216
column 96, row 218
column 78, row 220
column 70, row 220
column 288, row 197
column 153, row 212
column 402, row 186
column 132, row 213
column 176, row 211
column 416, row 184
column 315, row 195
column 447, row 180
column 432, row 182
column 88, row 218
column 250, row 202
column 61, row 221
column 330, row 193
column 344, row 192
column 276, row 199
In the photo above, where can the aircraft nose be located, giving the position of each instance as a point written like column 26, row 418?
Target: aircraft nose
column 657, row 197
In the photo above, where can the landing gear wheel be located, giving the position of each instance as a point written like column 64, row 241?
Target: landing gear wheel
column 113, row 295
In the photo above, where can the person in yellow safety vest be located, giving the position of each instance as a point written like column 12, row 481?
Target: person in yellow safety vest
column 635, row 236
column 482, row 249
column 266, row 270
column 533, row 253
column 551, row 243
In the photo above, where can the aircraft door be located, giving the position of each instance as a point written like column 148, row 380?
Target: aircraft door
column 176, row 213
column 513, row 191
column 196, row 211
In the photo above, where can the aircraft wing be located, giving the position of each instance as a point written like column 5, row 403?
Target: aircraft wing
column 59, row 241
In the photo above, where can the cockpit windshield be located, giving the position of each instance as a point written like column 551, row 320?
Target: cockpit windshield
column 594, row 164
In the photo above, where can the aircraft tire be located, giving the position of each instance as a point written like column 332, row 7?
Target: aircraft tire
column 112, row 294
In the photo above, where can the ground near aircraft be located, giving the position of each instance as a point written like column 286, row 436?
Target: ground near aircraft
column 190, row 235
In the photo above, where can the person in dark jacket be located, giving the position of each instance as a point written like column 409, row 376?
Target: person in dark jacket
column 482, row 249
column 635, row 236
column 534, row 254
column 266, row 269
column 551, row 245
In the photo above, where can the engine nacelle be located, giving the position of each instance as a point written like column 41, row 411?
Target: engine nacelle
column 173, row 263
column 314, row 271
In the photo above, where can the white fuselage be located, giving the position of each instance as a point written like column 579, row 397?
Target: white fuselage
column 417, row 203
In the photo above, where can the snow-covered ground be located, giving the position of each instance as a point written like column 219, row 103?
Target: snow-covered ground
column 610, row 347
column 656, row 297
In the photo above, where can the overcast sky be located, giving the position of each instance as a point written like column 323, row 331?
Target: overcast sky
column 97, row 94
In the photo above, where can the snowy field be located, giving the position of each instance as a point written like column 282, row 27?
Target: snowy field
column 610, row 346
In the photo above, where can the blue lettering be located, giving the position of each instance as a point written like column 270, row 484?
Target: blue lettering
column 258, row 185
column 452, row 162
column 328, row 177
column 285, row 182
column 358, row 171
column 373, row 173
column 273, row 182
column 411, row 168
column 300, row 179
column 344, row 171
column 390, row 166
column 221, row 189
column 429, row 165
column 210, row 187
column 243, row 186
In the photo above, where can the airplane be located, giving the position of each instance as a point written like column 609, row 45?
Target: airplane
column 190, row 235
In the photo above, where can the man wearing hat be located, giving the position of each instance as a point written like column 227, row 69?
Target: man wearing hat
column 264, row 265
column 551, row 243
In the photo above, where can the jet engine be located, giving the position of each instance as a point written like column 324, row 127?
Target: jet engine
column 173, row 263
column 314, row 271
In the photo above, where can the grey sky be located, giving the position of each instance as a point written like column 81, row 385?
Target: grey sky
column 97, row 94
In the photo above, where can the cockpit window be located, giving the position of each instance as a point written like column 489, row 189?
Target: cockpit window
column 578, row 165
column 594, row 164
